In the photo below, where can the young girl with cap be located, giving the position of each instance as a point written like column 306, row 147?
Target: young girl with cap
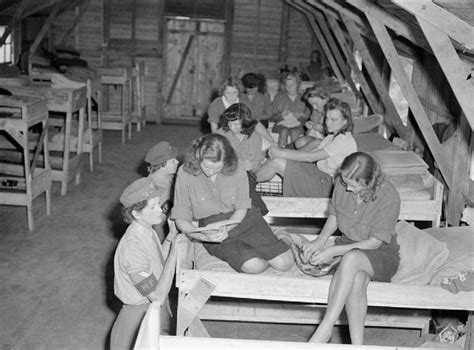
column 238, row 126
column 212, row 186
column 143, row 267
column 364, row 208
column 310, row 173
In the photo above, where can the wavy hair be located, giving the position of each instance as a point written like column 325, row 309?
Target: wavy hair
column 239, row 111
column 315, row 91
column 290, row 75
column 215, row 148
column 230, row 81
column 251, row 80
column 344, row 108
column 363, row 169
column 127, row 213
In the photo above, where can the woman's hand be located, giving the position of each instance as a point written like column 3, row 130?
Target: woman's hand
column 274, row 152
column 173, row 231
column 323, row 256
column 311, row 247
column 217, row 235
column 309, row 125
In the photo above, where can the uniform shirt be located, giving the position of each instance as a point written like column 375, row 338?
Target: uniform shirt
column 283, row 102
column 138, row 252
column 216, row 108
column 260, row 106
column 197, row 197
column 368, row 219
column 337, row 148
column 249, row 148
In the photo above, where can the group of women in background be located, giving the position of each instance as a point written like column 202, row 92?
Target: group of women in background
column 317, row 156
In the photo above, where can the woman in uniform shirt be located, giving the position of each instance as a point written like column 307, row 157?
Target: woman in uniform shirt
column 364, row 208
column 212, row 186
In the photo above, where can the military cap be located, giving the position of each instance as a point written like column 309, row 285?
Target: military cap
column 140, row 190
column 160, row 153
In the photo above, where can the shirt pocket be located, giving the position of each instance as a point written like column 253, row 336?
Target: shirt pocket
column 361, row 229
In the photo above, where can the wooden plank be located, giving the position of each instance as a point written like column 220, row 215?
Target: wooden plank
column 306, row 289
column 333, row 46
column 409, row 92
column 44, row 29
column 77, row 18
column 442, row 19
column 453, row 69
column 366, row 88
column 229, row 15
column 392, row 116
column 320, row 38
column 17, row 15
column 284, row 29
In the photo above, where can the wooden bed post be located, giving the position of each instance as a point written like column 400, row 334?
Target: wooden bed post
column 409, row 92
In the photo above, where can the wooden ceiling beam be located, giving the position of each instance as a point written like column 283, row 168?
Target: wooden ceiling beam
column 18, row 13
column 457, row 29
column 456, row 74
column 424, row 124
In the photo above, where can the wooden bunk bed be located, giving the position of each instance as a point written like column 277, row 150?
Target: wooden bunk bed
column 215, row 292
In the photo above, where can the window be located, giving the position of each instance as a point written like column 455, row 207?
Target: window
column 6, row 52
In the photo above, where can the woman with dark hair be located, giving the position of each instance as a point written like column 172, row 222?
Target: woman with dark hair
column 238, row 126
column 309, row 173
column 364, row 208
column 255, row 96
column 211, row 187
column 229, row 92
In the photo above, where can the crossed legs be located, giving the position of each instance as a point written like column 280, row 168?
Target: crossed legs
column 348, row 288
column 270, row 169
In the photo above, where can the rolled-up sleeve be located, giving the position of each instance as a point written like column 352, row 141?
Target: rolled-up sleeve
column 383, row 226
column 182, row 208
column 243, row 200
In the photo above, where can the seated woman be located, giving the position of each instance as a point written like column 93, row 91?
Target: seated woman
column 238, row 126
column 212, row 186
column 289, row 111
column 364, row 208
column 256, row 98
column 316, row 97
column 229, row 92
column 310, row 173
column 143, row 267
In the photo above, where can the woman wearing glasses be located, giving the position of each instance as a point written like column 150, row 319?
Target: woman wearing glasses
column 143, row 267
column 364, row 209
column 212, row 186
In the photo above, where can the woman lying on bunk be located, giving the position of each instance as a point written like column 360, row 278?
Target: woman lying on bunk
column 238, row 126
column 211, row 187
column 310, row 173
column 364, row 208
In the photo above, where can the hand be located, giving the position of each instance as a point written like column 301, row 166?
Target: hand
column 173, row 231
column 273, row 152
column 248, row 165
column 309, row 124
column 217, row 235
column 323, row 256
column 311, row 247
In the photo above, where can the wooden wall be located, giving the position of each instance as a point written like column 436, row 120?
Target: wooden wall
column 256, row 35
column 255, row 44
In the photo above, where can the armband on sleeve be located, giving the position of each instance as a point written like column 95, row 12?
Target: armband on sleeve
column 147, row 285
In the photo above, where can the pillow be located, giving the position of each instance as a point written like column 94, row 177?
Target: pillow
column 421, row 255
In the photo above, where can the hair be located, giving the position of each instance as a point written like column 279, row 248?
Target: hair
column 230, row 81
column 316, row 91
column 154, row 167
column 239, row 111
column 363, row 169
column 252, row 80
column 215, row 148
column 127, row 212
column 289, row 75
column 344, row 108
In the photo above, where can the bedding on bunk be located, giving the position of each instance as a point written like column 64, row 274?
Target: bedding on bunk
column 425, row 259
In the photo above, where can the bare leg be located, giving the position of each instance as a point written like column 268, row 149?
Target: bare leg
column 311, row 145
column 294, row 134
column 270, row 169
column 356, row 307
column 302, row 141
column 254, row 265
column 342, row 284
column 283, row 137
column 282, row 262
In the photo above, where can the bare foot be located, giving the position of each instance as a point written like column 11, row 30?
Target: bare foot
column 322, row 335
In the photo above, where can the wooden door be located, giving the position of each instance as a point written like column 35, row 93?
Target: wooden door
column 194, row 67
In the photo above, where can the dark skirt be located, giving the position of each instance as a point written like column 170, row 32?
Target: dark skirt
column 384, row 260
column 257, row 200
column 252, row 238
column 302, row 179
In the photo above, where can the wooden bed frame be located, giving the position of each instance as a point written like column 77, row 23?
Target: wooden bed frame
column 279, row 298
column 410, row 210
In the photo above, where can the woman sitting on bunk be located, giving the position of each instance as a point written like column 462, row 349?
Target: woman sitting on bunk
column 212, row 187
column 310, row 173
column 229, row 92
column 238, row 126
column 364, row 208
